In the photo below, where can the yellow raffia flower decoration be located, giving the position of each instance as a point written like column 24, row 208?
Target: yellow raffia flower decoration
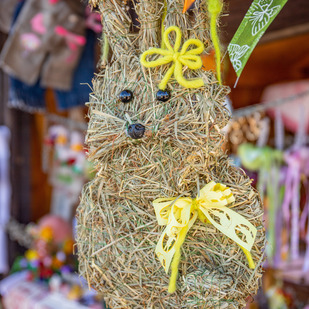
column 190, row 58
column 179, row 215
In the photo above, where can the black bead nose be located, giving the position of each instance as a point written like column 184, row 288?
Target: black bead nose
column 163, row 95
column 136, row 130
column 125, row 96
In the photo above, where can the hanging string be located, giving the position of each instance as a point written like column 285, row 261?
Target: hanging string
column 300, row 138
column 214, row 9
column 162, row 24
column 279, row 131
column 264, row 134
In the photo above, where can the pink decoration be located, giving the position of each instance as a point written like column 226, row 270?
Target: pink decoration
column 41, row 247
column 298, row 166
column 93, row 20
column 61, row 228
column 47, row 261
column 30, row 41
column 37, row 24
column 289, row 111
column 73, row 41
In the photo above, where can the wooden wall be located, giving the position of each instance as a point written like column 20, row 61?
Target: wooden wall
column 272, row 62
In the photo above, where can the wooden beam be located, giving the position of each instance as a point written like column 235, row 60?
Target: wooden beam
column 285, row 33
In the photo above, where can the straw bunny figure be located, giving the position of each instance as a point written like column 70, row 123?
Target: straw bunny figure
column 157, row 148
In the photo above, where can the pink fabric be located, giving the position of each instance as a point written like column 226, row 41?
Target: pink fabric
column 93, row 20
column 298, row 165
column 36, row 51
column 72, row 40
column 289, row 111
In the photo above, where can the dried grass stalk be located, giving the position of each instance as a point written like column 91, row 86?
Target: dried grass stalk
column 180, row 152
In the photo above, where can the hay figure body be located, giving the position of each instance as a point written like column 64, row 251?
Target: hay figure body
column 178, row 152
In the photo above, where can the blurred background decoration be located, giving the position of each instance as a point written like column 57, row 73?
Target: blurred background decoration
column 50, row 51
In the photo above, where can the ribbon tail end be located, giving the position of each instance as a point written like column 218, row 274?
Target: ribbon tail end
column 172, row 287
column 249, row 258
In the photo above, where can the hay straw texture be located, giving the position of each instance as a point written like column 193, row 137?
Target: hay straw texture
column 181, row 151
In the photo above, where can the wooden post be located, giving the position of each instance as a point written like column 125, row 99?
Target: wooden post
column 19, row 124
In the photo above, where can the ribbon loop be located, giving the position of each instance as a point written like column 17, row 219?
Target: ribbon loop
column 176, row 214
column 177, row 40
column 186, row 57
column 191, row 61
column 231, row 224
column 193, row 51
column 179, row 215
column 166, row 58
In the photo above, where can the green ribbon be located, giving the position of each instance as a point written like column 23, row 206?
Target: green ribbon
column 267, row 162
column 259, row 16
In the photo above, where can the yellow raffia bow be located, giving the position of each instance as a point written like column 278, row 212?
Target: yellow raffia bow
column 185, row 57
column 179, row 215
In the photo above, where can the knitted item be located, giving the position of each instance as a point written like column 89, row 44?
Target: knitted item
column 32, row 98
column 46, row 42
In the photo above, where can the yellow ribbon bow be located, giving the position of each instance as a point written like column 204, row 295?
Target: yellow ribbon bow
column 185, row 57
column 179, row 214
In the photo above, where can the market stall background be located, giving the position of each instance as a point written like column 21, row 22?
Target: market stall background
column 280, row 57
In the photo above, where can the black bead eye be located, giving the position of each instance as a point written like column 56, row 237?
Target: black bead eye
column 136, row 130
column 125, row 96
column 163, row 95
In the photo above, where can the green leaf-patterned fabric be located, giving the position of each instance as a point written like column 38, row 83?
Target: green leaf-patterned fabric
column 259, row 16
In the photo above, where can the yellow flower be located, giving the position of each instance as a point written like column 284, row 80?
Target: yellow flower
column 190, row 58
